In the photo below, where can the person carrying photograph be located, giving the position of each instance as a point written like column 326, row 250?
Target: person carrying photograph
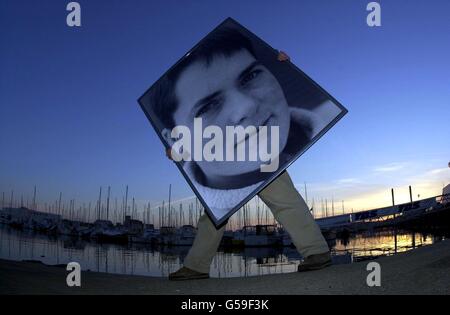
column 223, row 82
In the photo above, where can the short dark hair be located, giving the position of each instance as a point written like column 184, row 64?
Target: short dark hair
column 222, row 42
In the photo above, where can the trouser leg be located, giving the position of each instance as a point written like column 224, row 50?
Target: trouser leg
column 289, row 209
column 205, row 245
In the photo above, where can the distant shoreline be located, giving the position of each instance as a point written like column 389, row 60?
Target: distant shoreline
column 424, row 270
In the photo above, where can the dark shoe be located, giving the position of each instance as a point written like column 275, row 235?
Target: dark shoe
column 185, row 273
column 315, row 262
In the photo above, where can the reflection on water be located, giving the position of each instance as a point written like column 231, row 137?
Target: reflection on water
column 386, row 242
column 150, row 261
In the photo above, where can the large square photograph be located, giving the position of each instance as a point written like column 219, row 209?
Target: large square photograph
column 234, row 116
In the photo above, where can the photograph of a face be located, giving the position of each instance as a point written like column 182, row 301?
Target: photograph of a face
column 235, row 116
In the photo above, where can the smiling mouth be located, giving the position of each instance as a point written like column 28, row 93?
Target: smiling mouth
column 247, row 136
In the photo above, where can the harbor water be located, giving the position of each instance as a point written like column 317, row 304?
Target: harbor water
column 160, row 261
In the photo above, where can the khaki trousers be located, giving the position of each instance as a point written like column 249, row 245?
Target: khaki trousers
column 288, row 208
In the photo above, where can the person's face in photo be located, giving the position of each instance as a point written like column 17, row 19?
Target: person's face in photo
column 230, row 91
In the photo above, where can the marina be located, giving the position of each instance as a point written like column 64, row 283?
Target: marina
column 135, row 247
column 147, row 260
column 241, row 231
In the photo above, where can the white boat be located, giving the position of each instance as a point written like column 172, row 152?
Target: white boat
column 261, row 235
column 238, row 238
column 167, row 235
column 149, row 236
column 112, row 235
column 185, row 235
column 65, row 228
column 286, row 239
column 227, row 238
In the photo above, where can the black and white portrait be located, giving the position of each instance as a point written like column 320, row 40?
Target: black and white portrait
column 233, row 78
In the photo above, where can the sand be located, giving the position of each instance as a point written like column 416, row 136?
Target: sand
column 425, row 270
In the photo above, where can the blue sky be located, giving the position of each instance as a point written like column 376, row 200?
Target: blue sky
column 70, row 122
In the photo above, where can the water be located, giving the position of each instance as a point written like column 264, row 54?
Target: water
column 145, row 260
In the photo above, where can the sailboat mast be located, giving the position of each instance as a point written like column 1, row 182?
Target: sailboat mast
column 34, row 198
column 170, row 195
column 107, row 203
column 59, row 203
column 99, row 203
column 126, row 203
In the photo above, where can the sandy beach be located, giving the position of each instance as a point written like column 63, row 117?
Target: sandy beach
column 425, row 270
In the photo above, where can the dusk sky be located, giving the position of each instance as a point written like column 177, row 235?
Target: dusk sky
column 70, row 121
